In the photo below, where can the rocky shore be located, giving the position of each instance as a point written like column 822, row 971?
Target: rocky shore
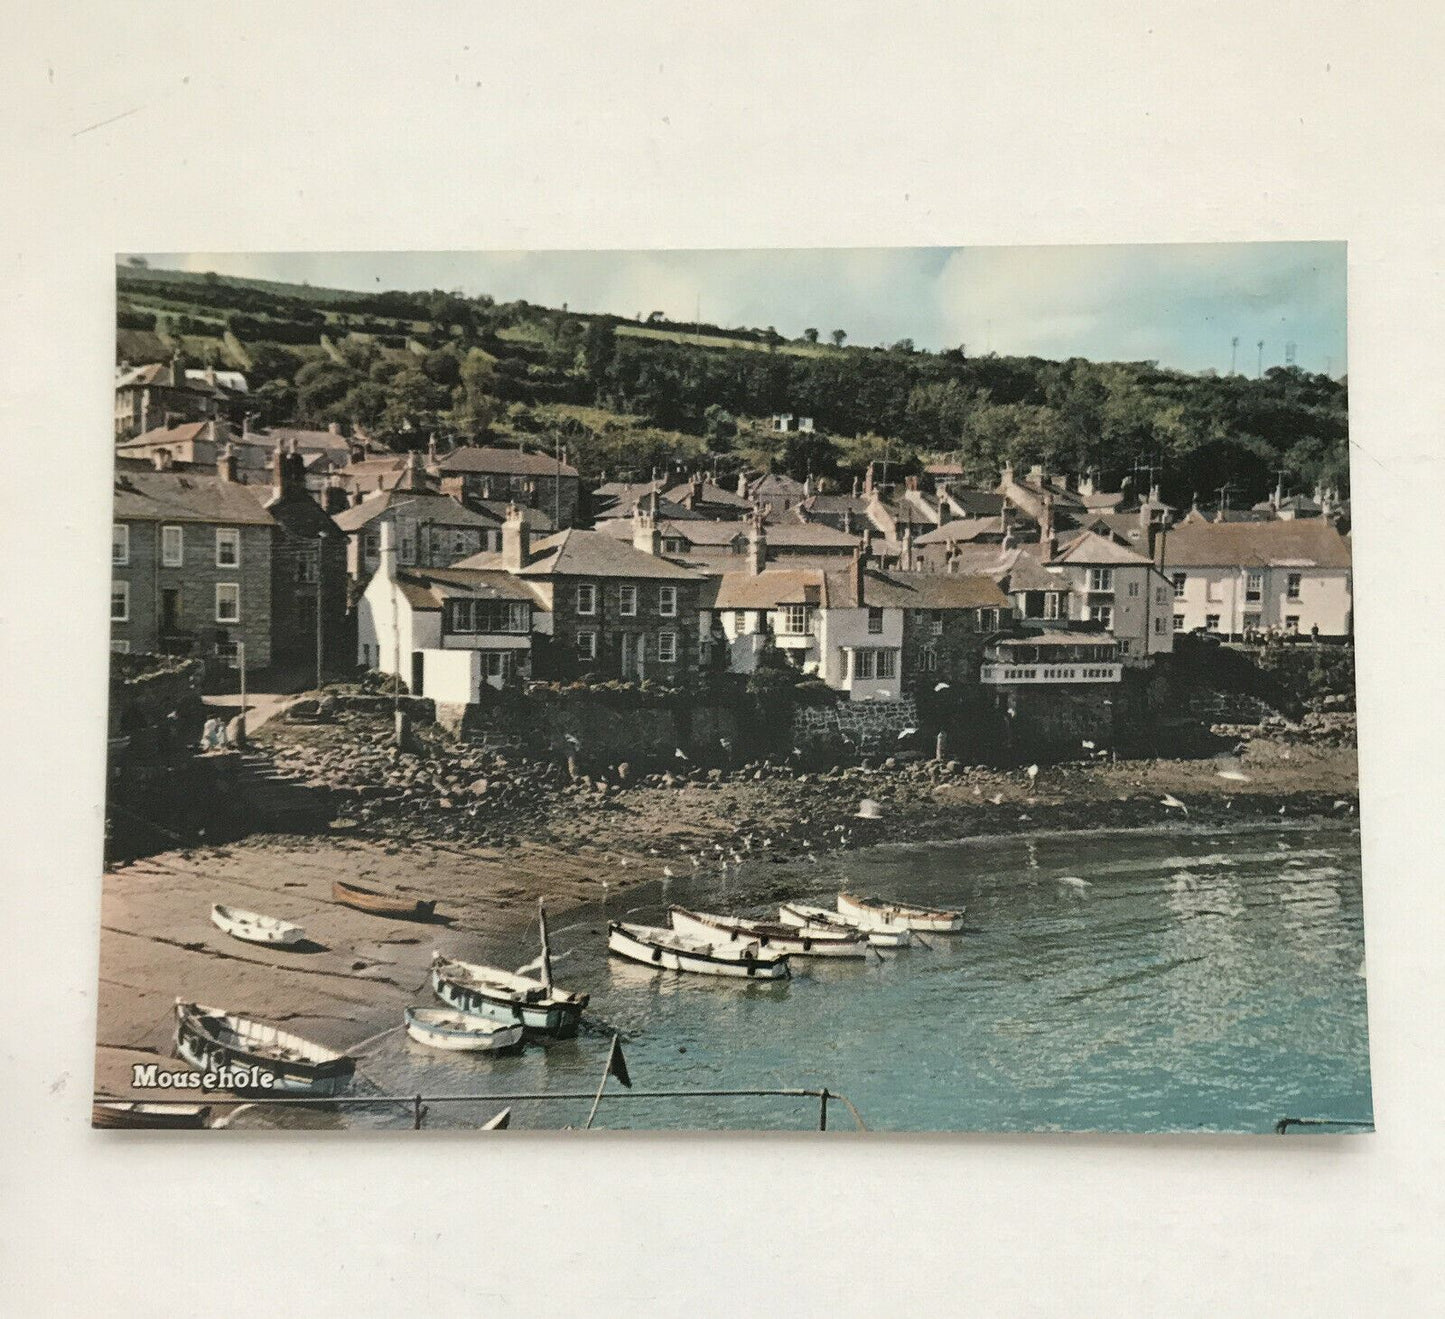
column 488, row 833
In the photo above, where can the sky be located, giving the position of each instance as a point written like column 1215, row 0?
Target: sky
column 1179, row 304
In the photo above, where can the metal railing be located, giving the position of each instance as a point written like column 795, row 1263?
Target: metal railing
column 419, row 1105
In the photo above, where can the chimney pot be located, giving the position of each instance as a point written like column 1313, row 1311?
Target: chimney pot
column 516, row 540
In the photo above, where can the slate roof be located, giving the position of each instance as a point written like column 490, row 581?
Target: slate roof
column 577, row 553
column 432, row 588
column 917, row 590
column 1089, row 548
column 501, row 462
column 186, row 497
column 961, row 530
column 769, row 589
column 421, row 505
column 1307, row 542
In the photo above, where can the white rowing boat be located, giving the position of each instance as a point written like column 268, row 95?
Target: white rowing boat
column 834, row 942
column 461, row 1032
column 875, row 914
column 670, row 950
column 807, row 917
column 255, row 928
column 239, row 1048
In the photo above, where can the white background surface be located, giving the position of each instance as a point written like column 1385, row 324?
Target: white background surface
column 373, row 127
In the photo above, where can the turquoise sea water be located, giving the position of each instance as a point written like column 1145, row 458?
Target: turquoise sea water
column 1198, row 981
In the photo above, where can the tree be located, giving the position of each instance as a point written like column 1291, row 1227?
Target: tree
column 811, row 335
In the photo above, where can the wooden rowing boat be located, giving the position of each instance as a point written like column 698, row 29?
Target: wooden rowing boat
column 671, row 950
column 218, row 1041
column 500, row 1122
column 461, row 1032
column 252, row 927
column 382, row 904
column 116, row 1113
column 875, row 913
column 834, row 942
column 807, row 917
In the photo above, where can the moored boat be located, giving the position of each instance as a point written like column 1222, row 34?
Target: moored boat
column 671, row 950
column 797, row 942
column 462, row 1032
column 119, row 1113
column 804, row 916
column 382, row 904
column 875, row 913
column 244, row 1051
column 254, row 928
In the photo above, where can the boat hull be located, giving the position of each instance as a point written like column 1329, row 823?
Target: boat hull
column 547, row 1019
column 882, row 916
column 121, row 1115
column 197, row 1043
column 819, row 918
column 256, row 930
column 663, row 958
column 502, row 1038
column 837, row 942
column 383, row 904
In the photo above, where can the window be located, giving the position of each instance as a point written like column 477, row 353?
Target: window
column 371, row 546
column 1179, row 580
column 865, row 663
column 1254, row 586
column 935, row 623
column 1179, row 622
column 228, row 547
column 1158, row 595
column 928, row 660
column 627, row 600
column 490, row 616
column 1211, row 622
column 120, row 602
column 1291, row 622
column 887, row 663
column 667, row 601
column 120, row 543
column 228, row 602
column 408, row 545
column 740, row 622
column 1251, row 622
column 120, row 647
column 1052, row 602
column 1134, row 590
column 308, row 566
column 1292, row 586
column 672, row 545
column 795, row 620
column 875, row 620
column 1104, row 615
column 667, row 647
column 1101, row 579
column 1158, row 627
column 497, row 663
column 587, row 602
column 173, row 552
column 587, row 645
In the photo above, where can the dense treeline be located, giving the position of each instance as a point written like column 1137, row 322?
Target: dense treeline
column 475, row 369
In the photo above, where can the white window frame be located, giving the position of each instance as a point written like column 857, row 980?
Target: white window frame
column 1291, row 624
column 667, row 647
column 1253, row 587
column 1052, row 601
column 795, row 620
column 875, row 622
column 502, row 659
column 627, row 600
column 176, row 558
column 1293, row 583
column 228, row 536
column 1179, row 579
column 667, row 602
column 1133, row 590
column 123, row 590
column 1103, row 614
column 589, row 650
column 226, row 587
column 1179, row 622
column 464, row 617
column 887, row 660
column 587, row 591
column 120, row 541
column 1101, row 580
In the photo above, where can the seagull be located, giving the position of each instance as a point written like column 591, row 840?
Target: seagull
column 1088, row 746
column 1342, row 804
column 667, row 870
column 1033, row 772
column 725, row 743
column 998, row 799
column 1233, row 775
column 1073, row 881
column 1173, row 803
column 940, row 686
column 572, row 738
column 1281, row 810
column 907, row 732
column 680, row 754
column 624, row 863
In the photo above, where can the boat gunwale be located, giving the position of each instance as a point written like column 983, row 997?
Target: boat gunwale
column 625, row 929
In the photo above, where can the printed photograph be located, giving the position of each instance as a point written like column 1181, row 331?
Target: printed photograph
column 820, row 690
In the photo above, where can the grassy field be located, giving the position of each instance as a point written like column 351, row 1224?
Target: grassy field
column 721, row 341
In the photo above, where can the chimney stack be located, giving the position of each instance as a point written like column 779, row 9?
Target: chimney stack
column 645, row 535
column 742, row 485
column 226, row 465
column 905, row 547
column 516, row 540
column 1048, row 541
column 388, row 549
column 856, row 579
column 757, row 544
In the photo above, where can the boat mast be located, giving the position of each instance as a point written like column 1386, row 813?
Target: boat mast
column 546, row 952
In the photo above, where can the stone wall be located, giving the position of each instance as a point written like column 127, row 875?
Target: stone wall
column 866, row 726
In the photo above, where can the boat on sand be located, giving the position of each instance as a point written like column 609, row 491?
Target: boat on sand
column 216, row 1041
column 252, row 927
column 378, row 903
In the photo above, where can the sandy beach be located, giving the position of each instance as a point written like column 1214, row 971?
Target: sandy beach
column 356, row 972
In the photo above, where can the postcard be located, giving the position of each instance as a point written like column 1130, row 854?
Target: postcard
column 886, row 690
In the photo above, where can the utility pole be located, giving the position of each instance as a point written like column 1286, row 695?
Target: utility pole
column 241, row 718
column 1233, row 353
column 1260, row 371
column 320, row 582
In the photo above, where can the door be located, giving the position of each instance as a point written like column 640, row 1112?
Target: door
column 417, row 674
column 629, row 655
column 170, row 610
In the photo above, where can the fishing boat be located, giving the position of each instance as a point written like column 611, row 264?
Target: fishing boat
column 501, row 1122
column 117, row 1113
column 218, row 1041
column 462, row 1032
column 875, row 913
column 671, row 950
column 834, row 942
column 807, row 917
column 382, row 904
column 255, row 928
column 511, row 996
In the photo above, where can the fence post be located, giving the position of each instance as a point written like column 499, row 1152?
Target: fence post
column 823, row 1110
column 417, row 1114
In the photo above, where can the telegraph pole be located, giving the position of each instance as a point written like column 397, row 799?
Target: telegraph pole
column 1233, row 353
column 1260, row 371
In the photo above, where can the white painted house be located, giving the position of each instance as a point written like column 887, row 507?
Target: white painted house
column 1120, row 589
column 1241, row 578
column 446, row 631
